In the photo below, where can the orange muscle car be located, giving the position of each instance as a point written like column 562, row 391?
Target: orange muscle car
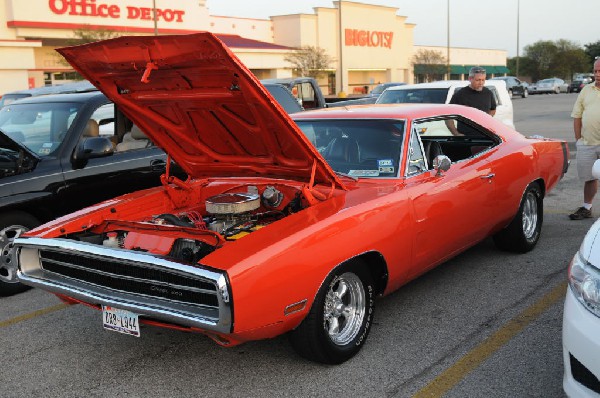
column 283, row 226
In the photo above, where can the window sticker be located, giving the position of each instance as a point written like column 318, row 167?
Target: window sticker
column 386, row 165
column 363, row 173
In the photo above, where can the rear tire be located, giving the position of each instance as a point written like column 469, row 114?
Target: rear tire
column 12, row 225
column 524, row 231
column 525, row 93
column 340, row 318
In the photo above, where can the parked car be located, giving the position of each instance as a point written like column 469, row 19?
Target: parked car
column 514, row 86
column 285, row 225
column 75, row 87
column 371, row 98
column 578, row 84
column 380, row 88
column 581, row 318
column 441, row 92
column 549, row 86
column 57, row 156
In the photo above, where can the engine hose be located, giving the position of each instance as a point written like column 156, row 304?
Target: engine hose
column 173, row 219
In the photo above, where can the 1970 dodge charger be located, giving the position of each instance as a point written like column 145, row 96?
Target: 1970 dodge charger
column 283, row 225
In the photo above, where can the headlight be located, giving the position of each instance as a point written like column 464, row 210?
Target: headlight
column 584, row 280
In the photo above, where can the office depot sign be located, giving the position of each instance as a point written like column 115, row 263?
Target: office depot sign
column 93, row 8
column 368, row 38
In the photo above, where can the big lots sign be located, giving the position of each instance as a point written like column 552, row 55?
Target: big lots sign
column 368, row 38
column 93, row 8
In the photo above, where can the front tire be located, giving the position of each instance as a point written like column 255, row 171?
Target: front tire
column 524, row 231
column 340, row 318
column 12, row 225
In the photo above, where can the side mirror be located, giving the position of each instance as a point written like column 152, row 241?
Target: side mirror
column 441, row 163
column 90, row 148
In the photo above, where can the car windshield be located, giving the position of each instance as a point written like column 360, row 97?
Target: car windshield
column 39, row 127
column 414, row 95
column 379, row 89
column 359, row 148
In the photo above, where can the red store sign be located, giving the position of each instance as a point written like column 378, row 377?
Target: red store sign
column 367, row 38
column 93, row 9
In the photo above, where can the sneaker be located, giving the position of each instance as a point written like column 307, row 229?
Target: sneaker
column 580, row 214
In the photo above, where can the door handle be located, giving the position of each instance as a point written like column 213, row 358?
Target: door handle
column 488, row 177
column 158, row 165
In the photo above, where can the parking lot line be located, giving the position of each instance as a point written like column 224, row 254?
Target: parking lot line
column 33, row 314
column 454, row 374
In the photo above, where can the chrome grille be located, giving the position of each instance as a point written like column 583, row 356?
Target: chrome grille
column 153, row 286
column 131, row 278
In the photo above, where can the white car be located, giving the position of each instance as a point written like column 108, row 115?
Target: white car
column 440, row 92
column 581, row 317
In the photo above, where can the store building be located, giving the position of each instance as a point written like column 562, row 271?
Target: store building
column 366, row 51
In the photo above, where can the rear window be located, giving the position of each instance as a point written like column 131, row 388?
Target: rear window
column 414, row 96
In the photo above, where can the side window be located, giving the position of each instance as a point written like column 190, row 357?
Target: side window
column 306, row 94
column 438, row 139
column 496, row 96
column 416, row 158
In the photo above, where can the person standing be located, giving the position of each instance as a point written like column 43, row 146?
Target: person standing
column 586, row 125
column 475, row 95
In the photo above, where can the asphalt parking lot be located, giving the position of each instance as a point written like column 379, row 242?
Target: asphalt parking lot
column 485, row 324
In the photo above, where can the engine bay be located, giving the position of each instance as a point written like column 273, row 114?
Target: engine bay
column 188, row 234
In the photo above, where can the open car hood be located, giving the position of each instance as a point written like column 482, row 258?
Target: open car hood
column 195, row 99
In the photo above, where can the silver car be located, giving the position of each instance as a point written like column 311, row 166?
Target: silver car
column 553, row 85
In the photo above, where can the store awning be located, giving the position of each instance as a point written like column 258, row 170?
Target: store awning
column 458, row 69
column 502, row 69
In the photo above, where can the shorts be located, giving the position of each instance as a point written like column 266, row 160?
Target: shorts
column 586, row 156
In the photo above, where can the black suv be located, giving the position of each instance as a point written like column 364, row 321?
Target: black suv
column 60, row 153
column 514, row 86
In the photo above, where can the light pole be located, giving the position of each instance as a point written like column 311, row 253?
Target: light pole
column 154, row 17
column 518, row 8
column 341, row 48
column 448, row 43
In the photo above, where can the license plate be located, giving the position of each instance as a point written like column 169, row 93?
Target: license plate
column 121, row 321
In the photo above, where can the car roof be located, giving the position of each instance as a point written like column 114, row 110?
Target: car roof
column 74, row 87
column 385, row 111
column 443, row 84
column 78, row 97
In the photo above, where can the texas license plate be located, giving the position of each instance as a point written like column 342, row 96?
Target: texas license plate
column 121, row 321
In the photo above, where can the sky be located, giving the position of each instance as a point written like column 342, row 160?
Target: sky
column 489, row 24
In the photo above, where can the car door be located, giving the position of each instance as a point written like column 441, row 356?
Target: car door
column 451, row 209
column 115, row 173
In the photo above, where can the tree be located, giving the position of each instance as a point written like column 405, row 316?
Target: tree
column 87, row 35
column 542, row 54
column 569, row 59
column 429, row 65
column 561, row 58
column 592, row 50
column 309, row 61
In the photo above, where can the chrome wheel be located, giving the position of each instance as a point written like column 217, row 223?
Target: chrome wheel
column 344, row 311
column 530, row 215
column 8, row 261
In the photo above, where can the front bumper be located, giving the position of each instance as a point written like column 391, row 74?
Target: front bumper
column 581, row 350
column 154, row 287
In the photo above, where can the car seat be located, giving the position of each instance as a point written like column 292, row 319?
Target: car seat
column 91, row 129
column 134, row 139
column 343, row 149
